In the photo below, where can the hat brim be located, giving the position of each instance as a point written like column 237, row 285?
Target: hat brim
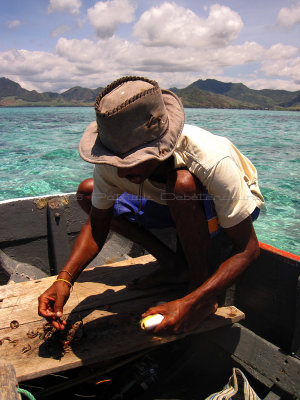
column 92, row 150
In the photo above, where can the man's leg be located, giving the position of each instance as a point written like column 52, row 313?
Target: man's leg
column 188, row 214
column 167, row 273
column 84, row 194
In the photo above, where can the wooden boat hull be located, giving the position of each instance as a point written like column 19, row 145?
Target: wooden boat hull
column 37, row 235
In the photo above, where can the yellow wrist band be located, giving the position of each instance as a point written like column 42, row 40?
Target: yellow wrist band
column 64, row 280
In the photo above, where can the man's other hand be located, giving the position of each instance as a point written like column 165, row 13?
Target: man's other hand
column 182, row 315
column 51, row 303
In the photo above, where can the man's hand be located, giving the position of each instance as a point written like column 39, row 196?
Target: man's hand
column 182, row 315
column 87, row 245
column 51, row 303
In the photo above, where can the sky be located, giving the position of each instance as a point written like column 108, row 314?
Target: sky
column 53, row 45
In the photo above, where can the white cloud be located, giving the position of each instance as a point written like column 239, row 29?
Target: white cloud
column 281, row 61
column 284, row 68
column 13, row 23
column 91, row 64
column 116, row 54
column 173, row 25
column 237, row 54
column 81, row 51
column 105, row 17
column 175, row 47
column 265, row 83
column 279, row 50
column 45, row 71
column 68, row 6
column 60, row 30
column 288, row 17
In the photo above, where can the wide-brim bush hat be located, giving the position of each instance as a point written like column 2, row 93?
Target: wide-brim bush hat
column 135, row 121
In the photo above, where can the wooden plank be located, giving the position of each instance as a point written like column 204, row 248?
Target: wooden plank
column 110, row 315
column 272, row 395
column 107, row 334
column 8, row 382
column 96, row 287
column 17, row 295
column 14, row 290
column 265, row 361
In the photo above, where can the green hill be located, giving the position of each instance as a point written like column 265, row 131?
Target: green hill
column 12, row 94
column 265, row 98
column 78, row 93
column 208, row 93
column 196, row 98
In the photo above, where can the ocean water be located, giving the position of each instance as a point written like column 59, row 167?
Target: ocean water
column 38, row 156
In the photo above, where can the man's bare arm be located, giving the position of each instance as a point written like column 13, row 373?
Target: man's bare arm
column 186, row 313
column 246, row 250
column 87, row 245
column 89, row 241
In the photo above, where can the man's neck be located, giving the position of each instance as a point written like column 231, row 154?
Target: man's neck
column 161, row 172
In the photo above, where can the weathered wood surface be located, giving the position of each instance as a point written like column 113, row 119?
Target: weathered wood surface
column 267, row 293
column 24, row 228
column 110, row 313
column 8, row 382
column 265, row 361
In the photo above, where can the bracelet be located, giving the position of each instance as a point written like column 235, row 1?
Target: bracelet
column 63, row 270
column 64, row 280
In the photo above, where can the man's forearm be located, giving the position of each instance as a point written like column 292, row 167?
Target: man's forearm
column 225, row 276
column 88, row 243
column 246, row 249
column 84, row 250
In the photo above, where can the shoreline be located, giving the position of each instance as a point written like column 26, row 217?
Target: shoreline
column 187, row 107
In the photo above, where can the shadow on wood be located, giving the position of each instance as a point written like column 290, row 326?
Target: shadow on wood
column 110, row 313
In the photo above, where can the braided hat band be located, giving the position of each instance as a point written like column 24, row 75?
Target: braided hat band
column 135, row 121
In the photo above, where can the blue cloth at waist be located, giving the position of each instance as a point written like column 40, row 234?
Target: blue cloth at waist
column 149, row 214
column 143, row 212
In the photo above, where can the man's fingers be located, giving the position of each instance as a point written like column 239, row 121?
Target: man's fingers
column 163, row 326
column 148, row 312
column 153, row 310
column 58, row 306
column 44, row 308
column 58, row 324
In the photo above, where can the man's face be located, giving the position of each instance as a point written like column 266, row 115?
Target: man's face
column 140, row 172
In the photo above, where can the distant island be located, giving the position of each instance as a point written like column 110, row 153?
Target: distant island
column 208, row 93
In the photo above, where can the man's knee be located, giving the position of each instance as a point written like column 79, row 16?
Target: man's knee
column 84, row 194
column 186, row 209
column 85, row 188
column 183, row 185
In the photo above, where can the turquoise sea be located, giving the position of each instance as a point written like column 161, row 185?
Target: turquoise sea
column 38, row 150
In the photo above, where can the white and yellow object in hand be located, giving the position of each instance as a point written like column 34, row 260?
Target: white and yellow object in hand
column 151, row 321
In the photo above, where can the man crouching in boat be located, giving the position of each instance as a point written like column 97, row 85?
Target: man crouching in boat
column 147, row 161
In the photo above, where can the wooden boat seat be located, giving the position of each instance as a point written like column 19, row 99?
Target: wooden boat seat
column 110, row 314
